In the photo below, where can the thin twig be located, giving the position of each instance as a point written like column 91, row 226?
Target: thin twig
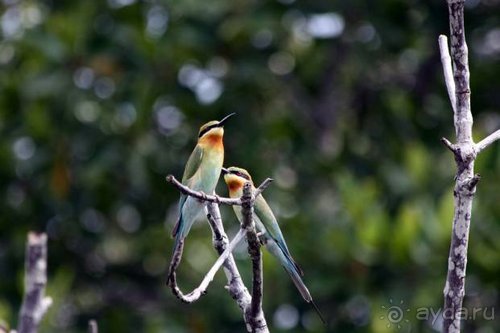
column 448, row 72
column 35, row 303
column 263, row 186
column 481, row 145
column 201, row 195
column 174, row 263
column 449, row 145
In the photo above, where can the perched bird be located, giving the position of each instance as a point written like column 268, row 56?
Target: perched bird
column 268, row 228
column 201, row 174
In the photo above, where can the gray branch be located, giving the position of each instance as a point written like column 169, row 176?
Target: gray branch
column 201, row 195
column 254, row 313
column 235, row 286
column 262, row 187
column 481, row 145
column 201, row 290
column 251, row 306
column 35, row 303
column 447, row 70
column 465, row 152
column 214, row 198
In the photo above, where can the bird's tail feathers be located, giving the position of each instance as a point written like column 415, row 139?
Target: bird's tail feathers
column 297, row 267
column 318, row 311
column 295, row 274
column 297, row 280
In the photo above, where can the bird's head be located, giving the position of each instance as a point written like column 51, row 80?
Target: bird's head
column 213, row 130
column 235, row 178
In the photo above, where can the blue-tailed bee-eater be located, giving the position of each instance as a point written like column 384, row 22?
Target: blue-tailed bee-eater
column 268, row 229
column 201, row 173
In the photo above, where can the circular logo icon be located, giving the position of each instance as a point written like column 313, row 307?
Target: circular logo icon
column 395, row 314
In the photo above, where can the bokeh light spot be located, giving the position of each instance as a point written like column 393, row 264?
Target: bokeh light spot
column 157, row 20
column 128, row 218
column 83, row 77
column 281, row 63
column 286, row 317
column 328, row 25
column 87, row 111
column 24, row 148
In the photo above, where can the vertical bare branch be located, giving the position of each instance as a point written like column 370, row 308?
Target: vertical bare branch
column 35, row 303
column 254, row 312
column 235, row 286
column 460, row 60
column 465, row 185
column 465, row 152
column 174, row 263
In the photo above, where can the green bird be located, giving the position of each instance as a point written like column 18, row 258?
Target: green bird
column 268, row 228
column 201, row 174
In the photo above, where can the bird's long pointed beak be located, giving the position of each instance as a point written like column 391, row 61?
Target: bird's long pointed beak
column 221, row 123
column 224, row 171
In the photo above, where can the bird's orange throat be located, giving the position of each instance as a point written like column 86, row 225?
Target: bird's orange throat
column 213, row 139
column 234, row 184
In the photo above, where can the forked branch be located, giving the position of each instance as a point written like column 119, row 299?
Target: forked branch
column 251, row 306
column 465, row 151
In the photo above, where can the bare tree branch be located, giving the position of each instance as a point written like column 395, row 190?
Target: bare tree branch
column 465, row 152
column 483, row 144
column 254, row 313
column 214, row 198
column 201, row 195
column 251, row 306
column 262, row 186
column 448, row 72
column 449, row 145
column 202, row 288
column 35, row 303
column 235, row 286
column 174, row 263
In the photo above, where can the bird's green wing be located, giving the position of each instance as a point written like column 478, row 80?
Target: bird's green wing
column 192, row 164
column 267, row 218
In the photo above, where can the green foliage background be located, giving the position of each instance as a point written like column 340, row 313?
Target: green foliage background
column 100, row 100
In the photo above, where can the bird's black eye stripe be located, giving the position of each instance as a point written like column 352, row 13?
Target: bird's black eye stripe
column 242, row 175
column 239, row 174
column 207, row 129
